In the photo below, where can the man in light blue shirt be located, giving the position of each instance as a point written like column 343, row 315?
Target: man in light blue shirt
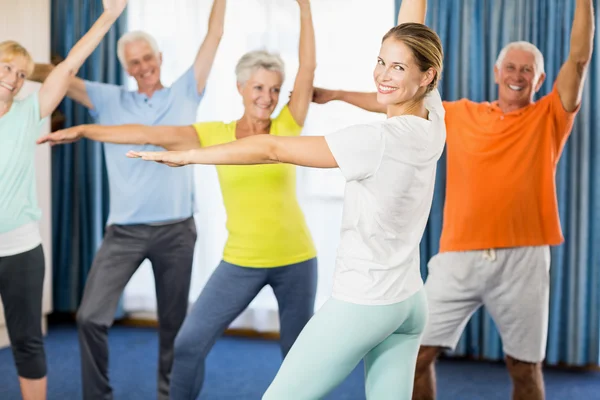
column 151, row 206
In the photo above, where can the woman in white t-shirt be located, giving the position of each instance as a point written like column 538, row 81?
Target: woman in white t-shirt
column 378, row 310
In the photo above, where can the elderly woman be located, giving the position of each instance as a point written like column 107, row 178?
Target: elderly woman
column 268, row 240
column 22, row 266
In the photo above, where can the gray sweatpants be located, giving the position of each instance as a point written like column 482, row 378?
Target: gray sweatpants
column 170, row 249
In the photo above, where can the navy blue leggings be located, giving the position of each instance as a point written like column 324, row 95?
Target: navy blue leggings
column 227, row 293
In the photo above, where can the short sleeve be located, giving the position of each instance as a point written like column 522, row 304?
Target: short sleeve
column 450, row 108
column 186, row 85
column 358, row 150
column 102, row 96
column 285, row 124
column 34, row 105
column 448, row 105
column 453, row 113
column 562, row 119
column 30, row 111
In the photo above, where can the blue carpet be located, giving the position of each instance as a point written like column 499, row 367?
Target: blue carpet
column 243, row 368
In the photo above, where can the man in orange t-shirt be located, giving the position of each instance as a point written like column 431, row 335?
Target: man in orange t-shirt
column 501, row 213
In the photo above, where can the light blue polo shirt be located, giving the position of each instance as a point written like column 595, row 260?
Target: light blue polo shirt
column 144, row 192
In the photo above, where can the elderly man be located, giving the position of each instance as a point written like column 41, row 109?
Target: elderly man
column 501, row 213
column 151, row 207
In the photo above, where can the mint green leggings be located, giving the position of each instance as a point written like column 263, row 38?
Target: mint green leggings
column 341, row 334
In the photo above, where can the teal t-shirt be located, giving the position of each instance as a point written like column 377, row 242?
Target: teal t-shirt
column 19, row 129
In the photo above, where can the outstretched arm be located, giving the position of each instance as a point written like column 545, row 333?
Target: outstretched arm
column 168, row 137
column 366, row 101
column 208, row 50
column 571, row 78
column 76, row 89
column 307, row 151
column 55, row 86
column 303, row 86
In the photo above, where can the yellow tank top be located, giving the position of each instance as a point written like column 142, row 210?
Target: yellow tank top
column 265, row 223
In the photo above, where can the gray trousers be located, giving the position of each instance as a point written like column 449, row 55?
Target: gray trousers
column 170, row 249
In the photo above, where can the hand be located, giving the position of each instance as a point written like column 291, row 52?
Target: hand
column 114, row 7
column 170, row 158
column 322, row 96
column 62, row 136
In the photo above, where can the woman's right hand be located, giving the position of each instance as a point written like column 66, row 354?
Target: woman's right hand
column 63, row 136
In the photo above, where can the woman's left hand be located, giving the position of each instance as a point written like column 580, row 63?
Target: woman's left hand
column 170, row 158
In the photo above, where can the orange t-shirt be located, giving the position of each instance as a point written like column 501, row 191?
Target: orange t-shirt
column 500, row 188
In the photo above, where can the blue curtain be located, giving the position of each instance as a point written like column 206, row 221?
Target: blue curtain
column 79, row 179
column 473, row 32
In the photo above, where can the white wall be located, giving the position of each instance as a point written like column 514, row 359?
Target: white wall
column 28, row 22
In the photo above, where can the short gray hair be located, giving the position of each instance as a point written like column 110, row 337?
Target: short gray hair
column 134, row 36
column 526, row 46
column 255, row 60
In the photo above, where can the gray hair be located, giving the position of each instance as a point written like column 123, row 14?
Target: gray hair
column 526, row 46
column 134, row 36
column 255, row 60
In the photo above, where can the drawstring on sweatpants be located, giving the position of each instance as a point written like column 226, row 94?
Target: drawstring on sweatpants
column 489, row 254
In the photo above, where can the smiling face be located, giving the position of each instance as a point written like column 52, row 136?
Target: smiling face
column 13, row 71
column 260, row 93
column 143, row 63
column 517, row 78
column 397, row 75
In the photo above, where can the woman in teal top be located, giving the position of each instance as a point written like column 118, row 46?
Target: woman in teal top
column 21, row 254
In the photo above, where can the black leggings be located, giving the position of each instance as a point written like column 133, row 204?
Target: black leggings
column 21, row 289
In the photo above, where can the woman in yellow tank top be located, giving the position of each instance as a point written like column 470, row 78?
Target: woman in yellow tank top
column 268, row 240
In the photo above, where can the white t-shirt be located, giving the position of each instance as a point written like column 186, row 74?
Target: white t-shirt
column 390, row 169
